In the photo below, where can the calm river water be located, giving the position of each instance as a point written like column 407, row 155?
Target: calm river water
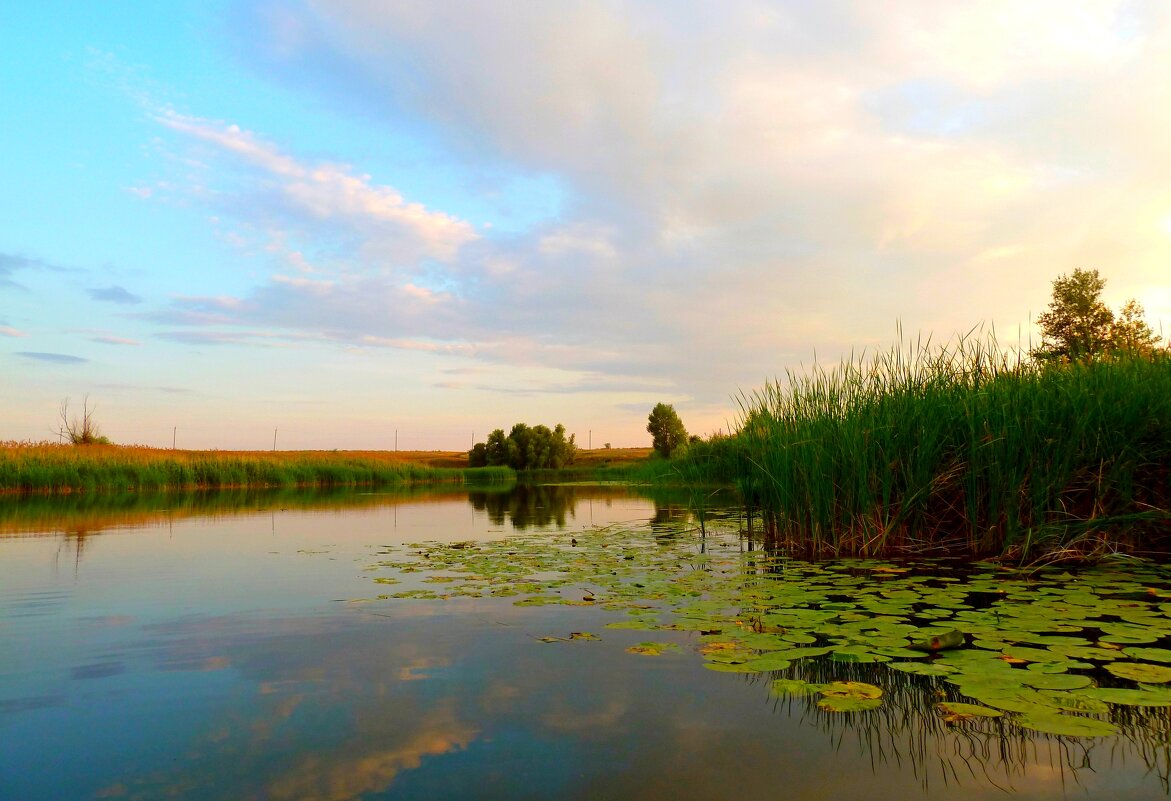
column 238, row 646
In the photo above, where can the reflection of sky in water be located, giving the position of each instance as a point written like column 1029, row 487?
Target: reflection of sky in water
column 221, row 660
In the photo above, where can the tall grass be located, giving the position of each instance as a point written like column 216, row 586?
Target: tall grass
column 961, row 445
column 66, row 468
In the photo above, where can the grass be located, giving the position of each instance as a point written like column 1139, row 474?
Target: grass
column 921, row 448
column 66, row 468
column 81, row 514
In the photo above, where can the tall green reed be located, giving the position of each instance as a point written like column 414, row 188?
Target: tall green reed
column 963, row 444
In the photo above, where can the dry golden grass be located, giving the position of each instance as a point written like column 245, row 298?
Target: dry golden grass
column 56, row 467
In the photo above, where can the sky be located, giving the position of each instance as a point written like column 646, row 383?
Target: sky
column 363, row 224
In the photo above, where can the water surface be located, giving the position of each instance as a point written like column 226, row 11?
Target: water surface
column 240, row 647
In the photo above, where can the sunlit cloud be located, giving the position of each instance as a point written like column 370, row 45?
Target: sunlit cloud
column 366, row 768
column 733, row 194
column 325, row 191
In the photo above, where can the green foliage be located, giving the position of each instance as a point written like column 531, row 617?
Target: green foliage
column 1078, row 325
column 525, row 448
column 1130, row 332
column 667, row 430
column 960, row 446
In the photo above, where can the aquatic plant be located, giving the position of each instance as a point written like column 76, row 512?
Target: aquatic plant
column 1040, row 652
column 963, row 445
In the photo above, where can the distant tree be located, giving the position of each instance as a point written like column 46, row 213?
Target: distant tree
column 1078, row 324
column 79, row 430
column 525, row 448
column 666, row 429
column 1130, row 331
column 478, row 455
column 496, row 448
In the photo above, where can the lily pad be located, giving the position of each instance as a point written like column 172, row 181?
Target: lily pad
column 1070, row 702
column 729, row 667
column 1055, row 681
column 1066, row 725
column 835, row 703
column 1125, row 697
column 922, row 668
column 962, row 710
column 768, row 662
column 1149, row 654
column 652, row 648
column 796, row 687
column 936, row 640
column 851, row 689
column 1141, row 671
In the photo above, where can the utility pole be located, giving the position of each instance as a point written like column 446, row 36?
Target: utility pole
column 396, row 439
column 591, row 439
column 274, row 439
column 174, row 434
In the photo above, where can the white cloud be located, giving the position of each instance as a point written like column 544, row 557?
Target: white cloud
column 332, row 192
column 745, row 185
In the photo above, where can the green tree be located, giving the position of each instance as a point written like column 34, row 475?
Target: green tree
column 497, row 449
column 525, row 448
column 478, row 455
column 1130, row 331
column 1078, row 324
column 667, row 429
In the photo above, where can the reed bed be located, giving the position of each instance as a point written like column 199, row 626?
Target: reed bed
column 67, row 468
column 960, row 446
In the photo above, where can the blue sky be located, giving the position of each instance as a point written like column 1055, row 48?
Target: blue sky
column 347, row 219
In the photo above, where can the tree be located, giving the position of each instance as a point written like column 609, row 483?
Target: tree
column 497, row 451
column 667, row 429
column 1078, row 324
column 525, row 448
column 80, row 430
column 1130, row 331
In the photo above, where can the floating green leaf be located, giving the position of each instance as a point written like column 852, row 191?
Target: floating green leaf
column 962, row 710
column 1141, row 671
column 1125, row 697
column 836, row 703
column 922, row 668
column 768, row 662
column 784, row 687
column 652, row 648
column 851, row 689
column 1149, row 654
column 1066, row 725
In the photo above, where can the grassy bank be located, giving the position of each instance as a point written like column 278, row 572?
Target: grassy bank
column 90, row 468
column 958, row 447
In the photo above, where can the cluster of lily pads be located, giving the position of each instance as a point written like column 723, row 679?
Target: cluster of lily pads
column 1051, row 651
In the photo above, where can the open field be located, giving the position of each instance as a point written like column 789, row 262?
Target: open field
column 67, row 468
column 42, row 467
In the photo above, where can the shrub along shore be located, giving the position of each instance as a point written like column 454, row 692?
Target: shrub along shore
column 90, row 468
column 924, row 449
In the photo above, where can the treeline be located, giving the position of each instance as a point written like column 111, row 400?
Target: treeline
column 525, row 448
